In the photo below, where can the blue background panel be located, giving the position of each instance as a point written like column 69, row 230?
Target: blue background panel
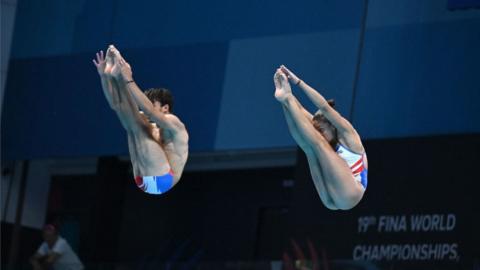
column 55, row 105
column 419, row 80
column 418, row 72
column 250, row 116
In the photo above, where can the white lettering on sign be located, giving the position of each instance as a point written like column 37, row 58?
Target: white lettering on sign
column 430, row 223
column 406, row 252
column 414, row 224
column 392, row 224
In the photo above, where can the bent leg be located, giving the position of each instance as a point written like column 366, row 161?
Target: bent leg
column 312, row 161
column 294, row 131
column 319, row 182
column 336, row 175
column 344, row 189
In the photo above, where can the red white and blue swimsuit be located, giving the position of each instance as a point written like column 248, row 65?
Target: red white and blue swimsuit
column 355, row 162
column 155, row 184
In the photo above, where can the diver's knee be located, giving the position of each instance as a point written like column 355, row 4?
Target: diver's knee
column 350, row 200
column 331, row 205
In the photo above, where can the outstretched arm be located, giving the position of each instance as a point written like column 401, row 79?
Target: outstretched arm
column 125, row 79
column 320, row 102
column 283, row 89
column 120, row 102
column 103, row 69
column 296, row 119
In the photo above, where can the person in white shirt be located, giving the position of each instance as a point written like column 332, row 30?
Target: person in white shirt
column 55, row 253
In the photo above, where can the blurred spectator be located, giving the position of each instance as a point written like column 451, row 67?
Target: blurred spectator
column 55, row 253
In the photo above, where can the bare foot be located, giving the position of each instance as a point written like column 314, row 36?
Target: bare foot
column 109, row 59
column 282, row 87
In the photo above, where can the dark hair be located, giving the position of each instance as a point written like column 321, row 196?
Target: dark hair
column 51, row 227
column 331, row 102
column 162, row 95
column 321, row 117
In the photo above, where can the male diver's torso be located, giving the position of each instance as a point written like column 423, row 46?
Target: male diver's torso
column 146, row 152
column 176, row 149
column 155, row 152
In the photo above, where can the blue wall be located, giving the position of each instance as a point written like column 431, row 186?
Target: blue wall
column 418, row 73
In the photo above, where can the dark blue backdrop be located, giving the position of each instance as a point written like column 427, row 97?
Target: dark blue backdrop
column 418, row 73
